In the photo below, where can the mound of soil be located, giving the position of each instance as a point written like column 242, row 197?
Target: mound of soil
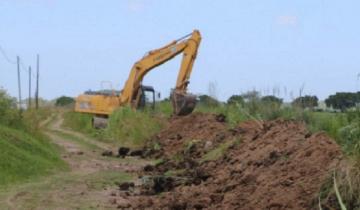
column 277, row 165
column 205, row 131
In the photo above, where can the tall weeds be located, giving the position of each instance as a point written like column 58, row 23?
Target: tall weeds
column 132, row 128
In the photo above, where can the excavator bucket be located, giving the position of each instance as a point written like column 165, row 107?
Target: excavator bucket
column 183, row 104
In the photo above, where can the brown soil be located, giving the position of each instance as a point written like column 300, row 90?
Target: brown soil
column 206, row 131
column 277, row 165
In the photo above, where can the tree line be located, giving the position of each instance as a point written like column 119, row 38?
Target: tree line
column 339, row 101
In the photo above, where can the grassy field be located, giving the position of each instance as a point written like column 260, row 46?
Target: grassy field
column 24, row 156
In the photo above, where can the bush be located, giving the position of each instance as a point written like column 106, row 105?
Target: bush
column 9, row 113
column 64, row 101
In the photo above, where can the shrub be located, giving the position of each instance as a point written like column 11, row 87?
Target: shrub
column 64, row 101
column 8, row 111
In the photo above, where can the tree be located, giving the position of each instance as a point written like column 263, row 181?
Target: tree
column 306, row 101
column 235, row 99
column 64, row 101
column 272, row 99
column 343, row 100
column 208, row 100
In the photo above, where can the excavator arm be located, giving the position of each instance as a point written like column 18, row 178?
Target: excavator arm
column 183, row 103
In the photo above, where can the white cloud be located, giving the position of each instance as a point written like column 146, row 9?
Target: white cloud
column 287, row 20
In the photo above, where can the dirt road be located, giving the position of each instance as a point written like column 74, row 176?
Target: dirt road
column 89, row 183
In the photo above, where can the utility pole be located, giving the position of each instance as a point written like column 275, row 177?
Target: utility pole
column 19, row 82
column 37, row 82
column 29, row 105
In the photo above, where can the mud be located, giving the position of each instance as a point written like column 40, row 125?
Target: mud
column 274, row 165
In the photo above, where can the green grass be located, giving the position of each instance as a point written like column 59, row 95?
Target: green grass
column 132, row 128
column 24, row 157
column 234, row 114
column 126, row 127
column 331, row 123
column 163, row 108
column 237, row 113
column 28, row 120
column 80, row 122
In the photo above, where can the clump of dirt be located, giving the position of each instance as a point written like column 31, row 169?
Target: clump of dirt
column 277, row 165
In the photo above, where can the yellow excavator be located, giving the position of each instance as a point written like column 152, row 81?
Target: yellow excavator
column 133, row 94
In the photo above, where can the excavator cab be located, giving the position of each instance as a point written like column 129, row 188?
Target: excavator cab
column 147, row 97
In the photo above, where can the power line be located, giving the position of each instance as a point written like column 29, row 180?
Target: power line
column 6, row 56
column 23, row 67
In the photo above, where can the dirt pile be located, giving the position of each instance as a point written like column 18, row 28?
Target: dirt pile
column 275, row 165
column 203, row 131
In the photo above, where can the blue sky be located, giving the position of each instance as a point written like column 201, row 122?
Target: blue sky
column 246, row 45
